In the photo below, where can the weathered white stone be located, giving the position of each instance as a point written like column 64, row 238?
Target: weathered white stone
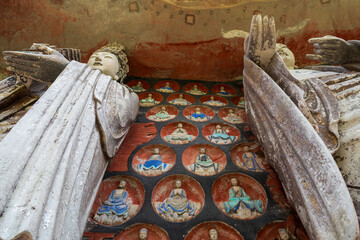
column 52, row 161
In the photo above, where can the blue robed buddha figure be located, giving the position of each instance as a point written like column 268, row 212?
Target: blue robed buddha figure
column 177, row 208
column 116, row 208
column 223, row 92
column 166, row 89
column 204, row 165
column 161, row 116
column 219, row 136
column 179, row 136
column 240, row 203
column 153, row 163
column 250, row 162
column 198, row 116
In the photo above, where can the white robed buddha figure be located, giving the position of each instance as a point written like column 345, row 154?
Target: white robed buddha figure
column 53, row 160
column 180, row 101
column 213, row 102
column 179, row 136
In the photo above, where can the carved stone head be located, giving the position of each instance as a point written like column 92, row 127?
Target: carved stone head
column 213, row 234
column 110, row 60
column 234, row 182
column 143, row 234
column 286, row 55
column 284, row 234
column 178, row 184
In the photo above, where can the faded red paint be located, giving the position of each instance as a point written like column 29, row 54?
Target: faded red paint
column 85, row 55
column 299, row 45
column 31, row 18
column 154, row 232
column 139, row 133
column 201, row 231
column 214, row 60
column 292, row 225
column 98, row 235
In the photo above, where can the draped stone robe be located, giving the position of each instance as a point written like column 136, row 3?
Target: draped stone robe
column 53, row 160
column 297, row 125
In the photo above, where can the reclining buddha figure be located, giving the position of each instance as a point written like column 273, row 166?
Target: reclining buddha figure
column 311, row 117
column 54, row 158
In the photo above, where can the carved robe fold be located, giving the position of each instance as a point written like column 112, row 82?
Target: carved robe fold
column 298, row 131
column 53, row 160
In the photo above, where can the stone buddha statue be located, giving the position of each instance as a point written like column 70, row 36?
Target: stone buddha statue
column 116, row 208
column 223, row 92
column 233, row 118
column 312, row 124
column 177, row 208
column 148, row 101
column 138, row 87
column 166, row 89
column 180, row 101
column 198, row 116
column 213, row 102
column 219, row 136
column 195, row 91
column 240, row 203
column 179, row 136
column 162, row 115
column 70, row 134
column 203, row 164
column 154, row 163
column 213, row 234
column 143, row 234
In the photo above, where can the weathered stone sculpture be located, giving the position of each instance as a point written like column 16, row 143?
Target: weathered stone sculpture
column 53, row 160
column 296, row 122
column 213, row 234
column 143, row 234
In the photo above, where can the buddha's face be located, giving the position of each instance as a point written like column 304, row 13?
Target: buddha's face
column 143, row 234
column 139, row 84
column 122, row 184
column 106, row 62
column 197, row 109
column 231, row 111
column 167, row 84
column 246, row 149
column 234, row 182
column 218, row 127
column 195, row 86
column 181, row 96
column 156, row 151
column 283, row 234
column 202, row 150
column 286, row 55
column 163, row 108
column 222, row 88
column 150, row 95
column 180, row 125
column 213, row 234
column 212, row 98
column 178, row 184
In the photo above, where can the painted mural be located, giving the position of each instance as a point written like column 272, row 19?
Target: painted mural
column 197, row 39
